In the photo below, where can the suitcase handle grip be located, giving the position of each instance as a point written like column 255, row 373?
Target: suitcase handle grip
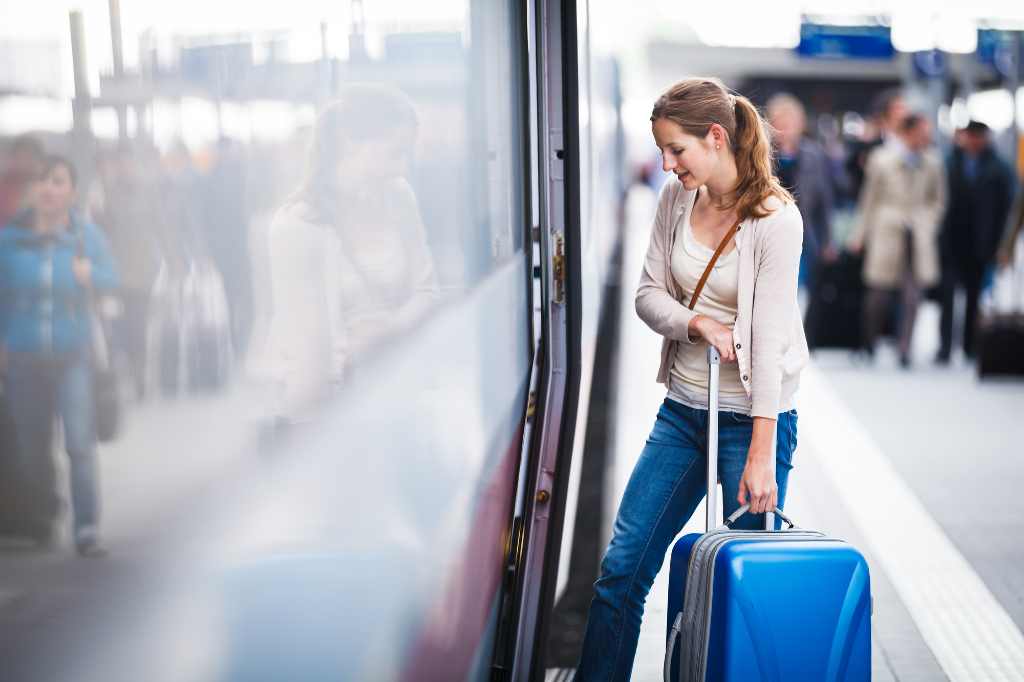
column 746, row 508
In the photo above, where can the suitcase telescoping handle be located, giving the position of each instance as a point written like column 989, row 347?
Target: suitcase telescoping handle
column 714, row 365
column 714, row 362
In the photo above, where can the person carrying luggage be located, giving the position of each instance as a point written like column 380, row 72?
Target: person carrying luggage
column 741, row 298
column 980, row 196
column 51, row 264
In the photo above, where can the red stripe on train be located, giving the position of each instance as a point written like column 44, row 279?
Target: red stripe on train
column 455, row 625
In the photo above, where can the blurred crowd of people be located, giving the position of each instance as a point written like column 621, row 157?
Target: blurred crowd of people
column 926, row 225
column 86, row 273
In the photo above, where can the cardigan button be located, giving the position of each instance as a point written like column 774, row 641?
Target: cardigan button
column 738, row 346
column 745, row 377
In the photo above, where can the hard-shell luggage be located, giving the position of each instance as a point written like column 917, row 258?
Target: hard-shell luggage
column 783, row 606
column 189, row 331
column 207, row 328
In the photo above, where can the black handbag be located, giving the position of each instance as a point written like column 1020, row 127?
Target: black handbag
column 105, row 383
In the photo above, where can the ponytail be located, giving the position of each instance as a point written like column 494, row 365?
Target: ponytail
column 752, row 148
column 695, row 104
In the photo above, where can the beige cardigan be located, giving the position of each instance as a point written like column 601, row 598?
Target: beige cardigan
column 768, row 334
column 895, row 196
column 325, row 313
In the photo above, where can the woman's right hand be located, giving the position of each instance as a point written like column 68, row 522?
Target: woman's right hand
column 716, row 334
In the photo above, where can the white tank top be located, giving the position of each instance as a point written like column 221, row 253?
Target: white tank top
column 718, row 300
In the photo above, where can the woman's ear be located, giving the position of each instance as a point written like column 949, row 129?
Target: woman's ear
column 716, row 136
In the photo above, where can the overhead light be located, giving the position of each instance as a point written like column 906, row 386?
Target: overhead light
column 912, row 31
column 918, row 30
column 956, row 34
column 992, row 107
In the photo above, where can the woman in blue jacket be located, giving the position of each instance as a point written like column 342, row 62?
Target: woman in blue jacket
column 51, row 262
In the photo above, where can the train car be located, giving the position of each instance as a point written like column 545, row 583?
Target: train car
column 413, row 522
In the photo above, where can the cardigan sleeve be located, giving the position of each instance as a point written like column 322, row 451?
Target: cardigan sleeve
column 303, row 336
column 775, row 290
column 654, row 304
column 426, row 288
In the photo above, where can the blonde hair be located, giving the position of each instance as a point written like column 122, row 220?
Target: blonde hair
column 695, row 104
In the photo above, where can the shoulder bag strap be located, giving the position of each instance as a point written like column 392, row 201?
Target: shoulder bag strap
column 711, row 263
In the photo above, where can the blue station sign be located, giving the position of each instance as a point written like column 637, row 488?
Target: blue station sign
column 845, row 42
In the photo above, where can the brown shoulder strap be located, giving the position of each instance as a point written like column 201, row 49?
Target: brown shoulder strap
column 711, row 263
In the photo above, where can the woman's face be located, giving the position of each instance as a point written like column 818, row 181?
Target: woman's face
column 368, row 160
column 692, row 159
column 55, row 192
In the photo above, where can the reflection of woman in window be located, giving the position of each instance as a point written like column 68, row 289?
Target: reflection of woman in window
column 349, row 262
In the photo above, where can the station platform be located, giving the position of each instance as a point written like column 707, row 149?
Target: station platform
column 920, row 469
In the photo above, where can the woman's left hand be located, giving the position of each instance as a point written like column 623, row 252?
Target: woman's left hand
column 758, row 483
column 82, row 269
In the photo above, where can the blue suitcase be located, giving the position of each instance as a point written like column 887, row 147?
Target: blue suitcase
column 778, row 606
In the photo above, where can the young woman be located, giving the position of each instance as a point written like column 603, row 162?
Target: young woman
column 723, row 195
column 51, row 262
column 349, row 261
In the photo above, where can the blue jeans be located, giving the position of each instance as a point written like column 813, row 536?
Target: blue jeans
column 41, row 387
column 667, row 484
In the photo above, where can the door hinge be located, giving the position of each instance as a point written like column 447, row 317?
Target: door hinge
column 558, row 268
column 531, row 405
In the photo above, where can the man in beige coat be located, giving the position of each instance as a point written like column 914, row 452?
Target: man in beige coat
column 899, row 215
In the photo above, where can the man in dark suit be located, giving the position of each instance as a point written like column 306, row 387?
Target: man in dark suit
column 980, row 193
column 803, row 168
